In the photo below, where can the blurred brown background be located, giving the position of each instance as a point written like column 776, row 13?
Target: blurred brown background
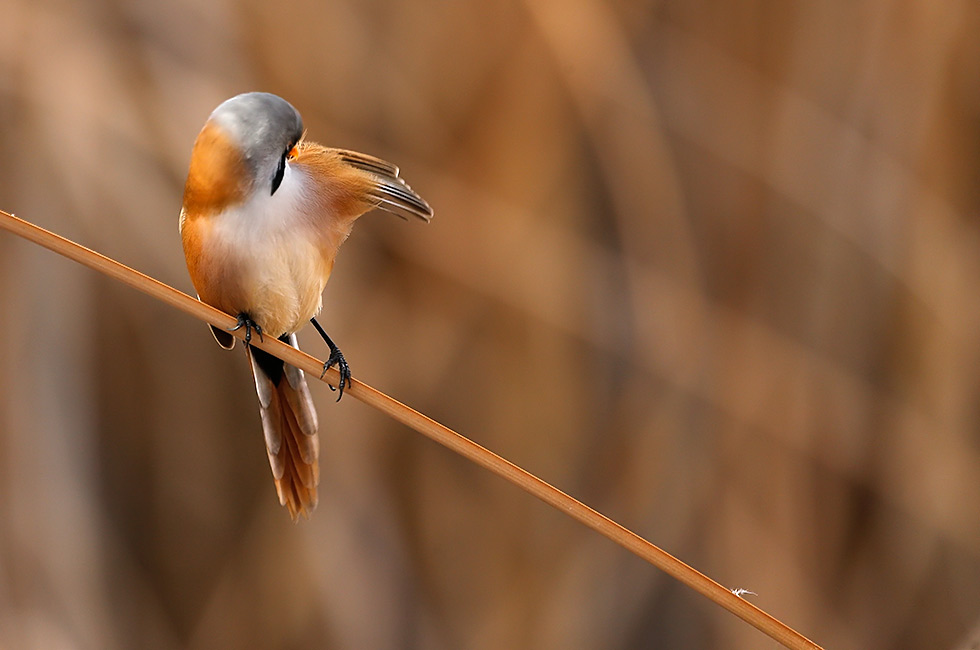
column 711, row 267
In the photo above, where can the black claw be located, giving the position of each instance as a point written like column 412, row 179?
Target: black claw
column 245, row 321
column 336, row 358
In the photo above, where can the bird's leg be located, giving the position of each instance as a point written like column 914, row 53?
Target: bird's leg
column 245, row 321
column 336, row 358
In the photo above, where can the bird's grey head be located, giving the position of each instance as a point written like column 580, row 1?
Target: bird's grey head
column 265, row 127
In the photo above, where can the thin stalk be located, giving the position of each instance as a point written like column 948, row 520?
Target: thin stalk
column 428, row 427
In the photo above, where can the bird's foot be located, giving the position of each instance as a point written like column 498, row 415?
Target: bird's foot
column 245, row 321
column 336, row 358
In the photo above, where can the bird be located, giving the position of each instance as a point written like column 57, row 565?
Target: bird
column 264, row 213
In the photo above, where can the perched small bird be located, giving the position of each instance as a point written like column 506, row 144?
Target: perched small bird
column 263, row 215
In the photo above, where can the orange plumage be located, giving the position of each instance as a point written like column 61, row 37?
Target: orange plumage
column 263, row 216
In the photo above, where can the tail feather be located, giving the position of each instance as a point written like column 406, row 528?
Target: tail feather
column 290, row 426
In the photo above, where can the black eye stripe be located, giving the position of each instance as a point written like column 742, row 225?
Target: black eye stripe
column 280, row 170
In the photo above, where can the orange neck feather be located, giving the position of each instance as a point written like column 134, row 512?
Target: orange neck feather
column 218, row 177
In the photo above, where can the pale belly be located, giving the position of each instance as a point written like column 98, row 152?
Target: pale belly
column 267, row 258
column 284, row 291
column 274, row 275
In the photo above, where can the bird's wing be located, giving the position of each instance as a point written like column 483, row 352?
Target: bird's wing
column 390, row 191
column 224, row 338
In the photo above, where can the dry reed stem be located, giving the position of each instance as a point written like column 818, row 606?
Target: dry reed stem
column 428, row 427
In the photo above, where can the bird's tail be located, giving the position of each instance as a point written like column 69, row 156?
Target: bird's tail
column 290, row 426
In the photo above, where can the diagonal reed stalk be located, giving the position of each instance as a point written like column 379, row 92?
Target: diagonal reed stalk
column 428, row 427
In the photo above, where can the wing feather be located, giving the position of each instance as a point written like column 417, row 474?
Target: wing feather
column 390, row 191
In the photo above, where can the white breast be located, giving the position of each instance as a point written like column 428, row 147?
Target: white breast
column 272, row 244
